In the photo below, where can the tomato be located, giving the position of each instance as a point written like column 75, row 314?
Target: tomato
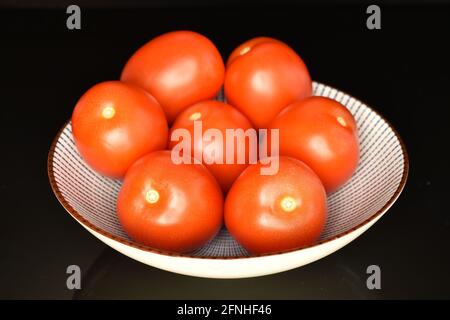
column 171, row 207
column 114, row 124
column 247, row 46
column 264, row 80
column 322, row 133
column 213, row 152
column 178, row 68
column 270, row 213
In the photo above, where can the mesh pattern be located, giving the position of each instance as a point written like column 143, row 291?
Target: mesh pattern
column 376, row 180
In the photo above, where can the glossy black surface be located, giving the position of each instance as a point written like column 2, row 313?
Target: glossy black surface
column 402, row 70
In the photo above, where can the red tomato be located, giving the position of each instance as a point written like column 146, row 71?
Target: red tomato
column 178, row 68
column 265, row 79
column 170, row 207
column 220, row 116
column 114, row 124
column 322, row 133
column 270, row 213
column 247, row 46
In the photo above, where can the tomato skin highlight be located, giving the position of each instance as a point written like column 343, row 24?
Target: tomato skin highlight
column 171, row 207
column 272, row 213
column 178, row 68
column 220, row 116
column 322, row 133
column 264, row 80
column 114, row 124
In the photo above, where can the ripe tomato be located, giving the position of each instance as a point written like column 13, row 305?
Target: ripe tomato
column 178, row 68
column 219, row 116
column 167, row 206
column 265, row 79
column 247, row 46
column 269, row 213
column 114, row 124
column 322, row 133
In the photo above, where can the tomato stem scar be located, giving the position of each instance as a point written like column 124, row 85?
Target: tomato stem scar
column 108, row 112
column 244, row 50
column 195, row 116
column 288, row 204
column 152, row 196
column 341, row 121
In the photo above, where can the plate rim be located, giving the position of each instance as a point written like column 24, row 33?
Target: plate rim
column 77, row 216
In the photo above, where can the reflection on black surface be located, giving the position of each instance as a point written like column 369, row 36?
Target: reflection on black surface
column 115, row 276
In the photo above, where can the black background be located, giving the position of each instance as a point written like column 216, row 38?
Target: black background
column 402, row 70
